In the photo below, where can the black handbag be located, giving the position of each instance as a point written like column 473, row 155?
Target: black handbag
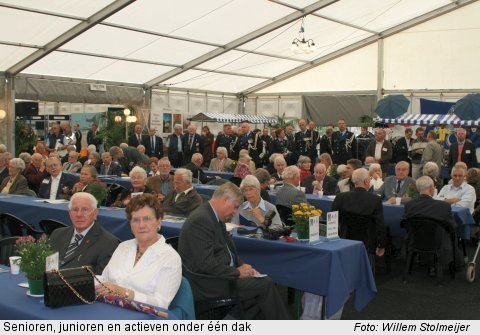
column 69, row 287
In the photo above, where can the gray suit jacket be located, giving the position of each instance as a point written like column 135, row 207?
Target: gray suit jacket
column 388, row 189
column 433, row 153
column 205, row 247
column 95, row 249
column 184, row 205
column 289, row 195
column 19, row 186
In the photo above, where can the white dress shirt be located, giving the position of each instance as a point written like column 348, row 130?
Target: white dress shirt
column 54, row 186
column 465, row 192
column 155, row 278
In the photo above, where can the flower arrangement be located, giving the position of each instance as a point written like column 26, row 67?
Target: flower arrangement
column 233, row 165
column 332, row 170
column 33, row 253
column 300, row 215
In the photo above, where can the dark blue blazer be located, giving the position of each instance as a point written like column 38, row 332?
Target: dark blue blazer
column 66, row 179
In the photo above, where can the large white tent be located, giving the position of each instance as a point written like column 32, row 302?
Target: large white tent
column 233, row 53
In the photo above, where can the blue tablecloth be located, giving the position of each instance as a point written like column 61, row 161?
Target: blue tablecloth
column 16, row 305
column 333, row 269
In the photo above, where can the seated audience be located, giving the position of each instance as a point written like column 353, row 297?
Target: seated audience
column 397, row 185
column 94, row 160
column 251, row 165
column 58, row 185
column 35, row 172
column 459, row 193
column 145, row 269
column 25, row 157
column 85, row 242
column 473, row 179
column 326, row 160
column 162, row 182
column 255, row 209
column 153, row 165
column 72, row 165
column 304, row 163
column 15, row 183
column 375, row 171
column 427, row 207
column 345, row 184
column 221, row 162
column 242, row 169
column 196, row 167
column 3, row 166
column 264, row 178
column 430, row 169
column 319, row 181
column 289, row 194
column 108, row 167
column 279, row 164
column 138, row 177
column 206, row 248
column 184, row 198
column 88, row 175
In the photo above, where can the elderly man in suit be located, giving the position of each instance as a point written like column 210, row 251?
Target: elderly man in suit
column 153, row 144
column 346, row 184
column 459, row 193
column 15, row 183
column 396, row 186
column 175, row 146
column 108, row 167
column 381, row 150
column 207, row 248
column 135, row 139
column 162, row 183
column 85, row 242
column 462, row 151
column 426, row 207
column 59, row 184
column 184, row 199
column 196, row 167
column 72, row 165
column 191, row 144
column 289, row 194
column 319, row 181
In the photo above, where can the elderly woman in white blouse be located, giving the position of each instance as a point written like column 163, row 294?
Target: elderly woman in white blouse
column 255, row 208
column 221, row 163
column 145, row 269
column 375, row 171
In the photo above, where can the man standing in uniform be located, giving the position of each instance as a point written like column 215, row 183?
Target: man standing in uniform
column 344, row 144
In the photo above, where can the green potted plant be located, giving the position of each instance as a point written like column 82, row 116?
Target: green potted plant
column 301, row 216
column 99, row 191
column 33, row 263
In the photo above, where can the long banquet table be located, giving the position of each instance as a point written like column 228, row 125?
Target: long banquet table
column 15, row 304
column 333, row 269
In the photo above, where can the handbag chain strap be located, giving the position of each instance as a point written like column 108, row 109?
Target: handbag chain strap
column 79, row 296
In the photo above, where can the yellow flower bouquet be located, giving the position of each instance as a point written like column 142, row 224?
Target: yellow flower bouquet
column 300, row 215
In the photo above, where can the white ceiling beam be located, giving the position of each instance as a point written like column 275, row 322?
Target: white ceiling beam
column 242, row 40
column 69, row 35
column 369, row 40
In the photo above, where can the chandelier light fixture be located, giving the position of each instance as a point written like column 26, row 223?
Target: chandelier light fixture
column 300, row 44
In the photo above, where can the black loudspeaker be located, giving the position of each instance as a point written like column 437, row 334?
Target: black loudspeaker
column 26, row 108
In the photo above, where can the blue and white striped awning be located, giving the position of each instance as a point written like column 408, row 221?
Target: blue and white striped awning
column 232, row 118
column 429, row 119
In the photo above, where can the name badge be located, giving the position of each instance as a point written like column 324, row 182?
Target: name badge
column 384, row 149
column 467, row 151
column 45, row 181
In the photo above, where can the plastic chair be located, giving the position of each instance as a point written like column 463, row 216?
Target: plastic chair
column 28, row 192
column 7, row 249
column 426, row 237
column 10, row 225
column 49, row 225
column 182, row 305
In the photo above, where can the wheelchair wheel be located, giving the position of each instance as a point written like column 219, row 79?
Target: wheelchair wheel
column 470, row 272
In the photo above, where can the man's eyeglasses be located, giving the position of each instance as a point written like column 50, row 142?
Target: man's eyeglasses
column 83, row 211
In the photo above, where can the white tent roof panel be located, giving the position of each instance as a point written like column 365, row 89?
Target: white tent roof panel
column 9, row 55
column 379, row 15
column 79, row 8
column 31, row 28
column 130, row 72
column 202, row 80
column 244, row 63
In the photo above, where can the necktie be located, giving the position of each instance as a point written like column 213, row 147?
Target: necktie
column 398, row 186
column 139, row 140
column 460, row 149
column 153, row 144
column 191, row 141
column 71, row 248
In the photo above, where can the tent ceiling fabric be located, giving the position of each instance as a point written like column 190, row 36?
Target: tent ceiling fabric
column 429, row 119
column 147, row 39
